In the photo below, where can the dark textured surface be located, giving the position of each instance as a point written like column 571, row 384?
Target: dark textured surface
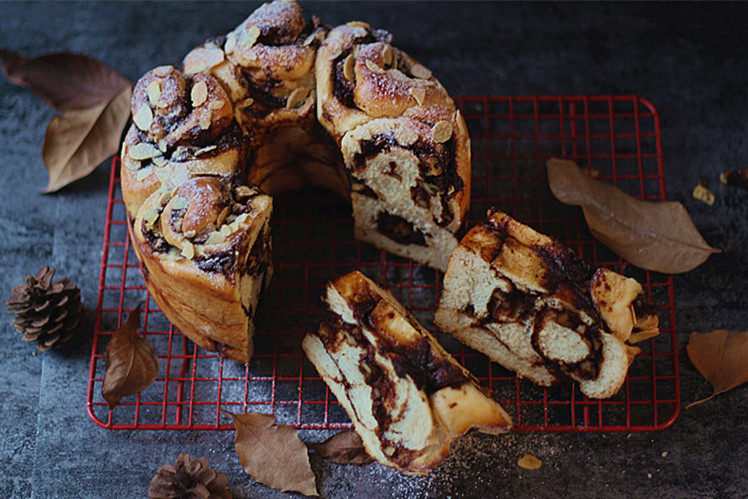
column 689, row 60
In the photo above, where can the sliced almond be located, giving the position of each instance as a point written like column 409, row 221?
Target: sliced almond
column 150, row 217
column 131, row 164
column 348, row 64
column 297, row 97
column 163, row 146
column 245, row 103
column 250, row 36
column 244, row 191
column 387, row 54
column 230, row 43
column 159, row 161
column 529, row 462
column 442, row 131
column 204, row 121
column 360, row 31
column 199, row 93
column 407, row 136
column 420, row 72
column 703, row 194
column 216, row 105
column 374, row 68
column 317, row 35
column 154, row 92
column 188, row 250
column 419, row 94
column 179, row 203
column 222, row 216
column 225, row 230
column 143, row 118
column 163, row 71
column 143, row 173
column 204, row 150
column 143, row 151
column 215, row 238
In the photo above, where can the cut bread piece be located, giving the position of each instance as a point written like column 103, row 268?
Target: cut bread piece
column 532, row 306
column 204, row 249
column 407, row 397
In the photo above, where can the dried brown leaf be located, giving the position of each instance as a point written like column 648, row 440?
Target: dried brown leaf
column 529, row 462
column 273, row 455
column 345, row 447
column 721, row 356
column 653, row 236
column 131, row 362
column 78, row 140
column 64, row 81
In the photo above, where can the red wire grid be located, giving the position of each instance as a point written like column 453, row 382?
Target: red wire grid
column 616, row 138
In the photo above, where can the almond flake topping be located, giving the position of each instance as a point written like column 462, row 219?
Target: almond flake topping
column 216, row 105
column 251, row 36
column 230, row 43
column 143, row 118
column 143, row 174
column 199, row 93
column 215, row 238
column 297, row 97
column 387, row 53
column 143, row 151
column 159, row 161
column 419, row 94
column 204, row 121
column 131, row 164
column 222, row 216
column 163, row 146
column 420, row 72
column 244, row 191
column 348, row 64
column 245, row 103
column 163, row 71
column 154, row 92
column 188, row 250
column 150, row 217
column 442, row 131
column 204, row 150
column 374, row 68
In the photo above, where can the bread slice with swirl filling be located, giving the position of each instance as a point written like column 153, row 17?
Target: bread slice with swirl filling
column 204, row 251
column 407, row 397
column 532, row 306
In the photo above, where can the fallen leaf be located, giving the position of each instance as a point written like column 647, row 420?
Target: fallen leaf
column 131, row 362
column 721, row 356
column 79, row 140
column 64, row 81
column 737, row 178
column 653, row 236
column 273, row 455
column 345, row 447
column 529, row 462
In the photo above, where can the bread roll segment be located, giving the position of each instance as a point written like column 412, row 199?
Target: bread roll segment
column 407, row 397
column 532, row 306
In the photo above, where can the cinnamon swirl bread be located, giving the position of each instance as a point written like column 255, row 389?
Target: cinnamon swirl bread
column 244, row 112
column 404, row 143
column 204, row 249
column 407, row 397
column 532, row 306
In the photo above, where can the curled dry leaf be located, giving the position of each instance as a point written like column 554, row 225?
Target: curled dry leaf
column 131, row 362
column 345, row 447
column 77, row 141
column 95, row 104
column 64, row 81
column 721, row 356
column 273, row 455
column 529, row 462
column 653, row 236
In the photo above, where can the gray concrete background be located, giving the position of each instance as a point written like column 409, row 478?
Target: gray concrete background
column 688, row 59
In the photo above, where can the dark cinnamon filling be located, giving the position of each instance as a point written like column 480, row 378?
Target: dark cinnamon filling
column 399, row 230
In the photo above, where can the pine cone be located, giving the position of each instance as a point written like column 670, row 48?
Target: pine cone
column 189, row 479
column 46, row 312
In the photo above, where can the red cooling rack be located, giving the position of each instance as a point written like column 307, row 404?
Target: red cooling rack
column 617, row 138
